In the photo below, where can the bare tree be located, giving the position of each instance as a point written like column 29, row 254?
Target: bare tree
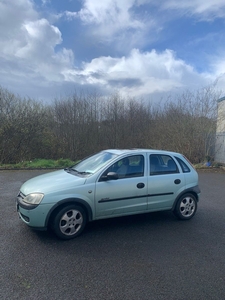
column 84, row 123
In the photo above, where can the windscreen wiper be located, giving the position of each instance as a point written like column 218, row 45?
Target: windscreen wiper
column 84, row 173
column 69, row 169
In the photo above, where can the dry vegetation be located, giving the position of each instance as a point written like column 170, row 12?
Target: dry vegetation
column 76, row 126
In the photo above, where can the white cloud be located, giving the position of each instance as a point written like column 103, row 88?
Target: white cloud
column 98, row 12
column 69, row 15
column 218, row 69
column 12, row 15
column 116, row 22
column 45, row 1
column 111, row 16
column 209, row 9
column 40, row 40
column 28, row 43
column 32, row 52
column 138, row 74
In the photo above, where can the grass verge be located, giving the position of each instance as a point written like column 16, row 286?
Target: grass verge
column 40, row 164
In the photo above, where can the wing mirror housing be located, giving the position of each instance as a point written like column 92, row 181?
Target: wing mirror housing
column 109, row 176
column 112, row 176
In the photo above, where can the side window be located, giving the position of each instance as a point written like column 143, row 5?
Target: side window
column 136, row 166
column 184, row 167
column 131, row 166
column 162, row 164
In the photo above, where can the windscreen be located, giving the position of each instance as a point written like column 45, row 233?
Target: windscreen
column 94, row 163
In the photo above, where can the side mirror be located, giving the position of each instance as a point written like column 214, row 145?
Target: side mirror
column 109, row 176
column 112, row 176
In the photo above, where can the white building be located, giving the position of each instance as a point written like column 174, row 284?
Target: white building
column 220, row 132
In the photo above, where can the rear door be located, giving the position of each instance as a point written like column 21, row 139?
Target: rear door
column 165, row 181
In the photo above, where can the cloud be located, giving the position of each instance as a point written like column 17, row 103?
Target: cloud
column 113, row 16
column 44, row 2
column 110, row 17
column 207, row 10
column 127, row 23
column 40, row 38
column 32, row 52
column 13, row 14
column 124, row 24
column 69, row 15
column 29, row 43
column 218, row 69
column 139, row 74
column 97, row 12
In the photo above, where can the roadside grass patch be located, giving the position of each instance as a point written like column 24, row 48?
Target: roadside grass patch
column 40, row 164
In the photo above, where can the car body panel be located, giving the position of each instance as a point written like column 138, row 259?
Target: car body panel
column 52, row 181
column 37, row 217
column 120, row 197
column 162, row 190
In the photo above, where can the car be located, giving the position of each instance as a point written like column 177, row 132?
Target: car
column 110, row 183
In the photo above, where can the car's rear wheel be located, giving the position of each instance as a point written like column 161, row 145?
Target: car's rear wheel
column 69, row 222
column 186, row 207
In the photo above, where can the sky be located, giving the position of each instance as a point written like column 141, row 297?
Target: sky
column 139, row 48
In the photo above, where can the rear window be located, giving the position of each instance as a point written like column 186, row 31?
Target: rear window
column 162, row 164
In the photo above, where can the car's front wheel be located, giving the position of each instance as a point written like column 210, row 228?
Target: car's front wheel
column 186, row 207
column 69, row 222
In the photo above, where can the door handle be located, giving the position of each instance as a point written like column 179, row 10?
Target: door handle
column 177, row 181
column 140, row 185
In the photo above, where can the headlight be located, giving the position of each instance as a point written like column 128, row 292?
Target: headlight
column 33, row 198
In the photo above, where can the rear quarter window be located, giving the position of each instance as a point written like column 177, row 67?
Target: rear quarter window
column 183, row 165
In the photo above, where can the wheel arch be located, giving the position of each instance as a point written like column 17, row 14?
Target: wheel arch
column 61, row 204
column 195, row 191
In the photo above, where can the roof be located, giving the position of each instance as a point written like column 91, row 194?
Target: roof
column 132, row 151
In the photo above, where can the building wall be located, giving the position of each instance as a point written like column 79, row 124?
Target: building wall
column 220, row 132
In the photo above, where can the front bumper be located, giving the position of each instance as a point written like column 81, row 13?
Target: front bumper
column 35, row 217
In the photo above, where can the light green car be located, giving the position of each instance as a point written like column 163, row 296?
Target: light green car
column 111, row 183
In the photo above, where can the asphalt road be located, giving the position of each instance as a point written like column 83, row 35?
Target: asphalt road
column 150, row 256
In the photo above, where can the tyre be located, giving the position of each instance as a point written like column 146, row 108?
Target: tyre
column 186, row 207
column 69, row 222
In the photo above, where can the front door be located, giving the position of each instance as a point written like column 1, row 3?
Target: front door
column 125, row 195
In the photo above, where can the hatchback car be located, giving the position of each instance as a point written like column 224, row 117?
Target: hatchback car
column 108, row 184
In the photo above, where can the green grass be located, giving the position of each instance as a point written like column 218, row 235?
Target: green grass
column 40, row 164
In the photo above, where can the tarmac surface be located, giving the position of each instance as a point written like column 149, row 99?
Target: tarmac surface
column 149, row 256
